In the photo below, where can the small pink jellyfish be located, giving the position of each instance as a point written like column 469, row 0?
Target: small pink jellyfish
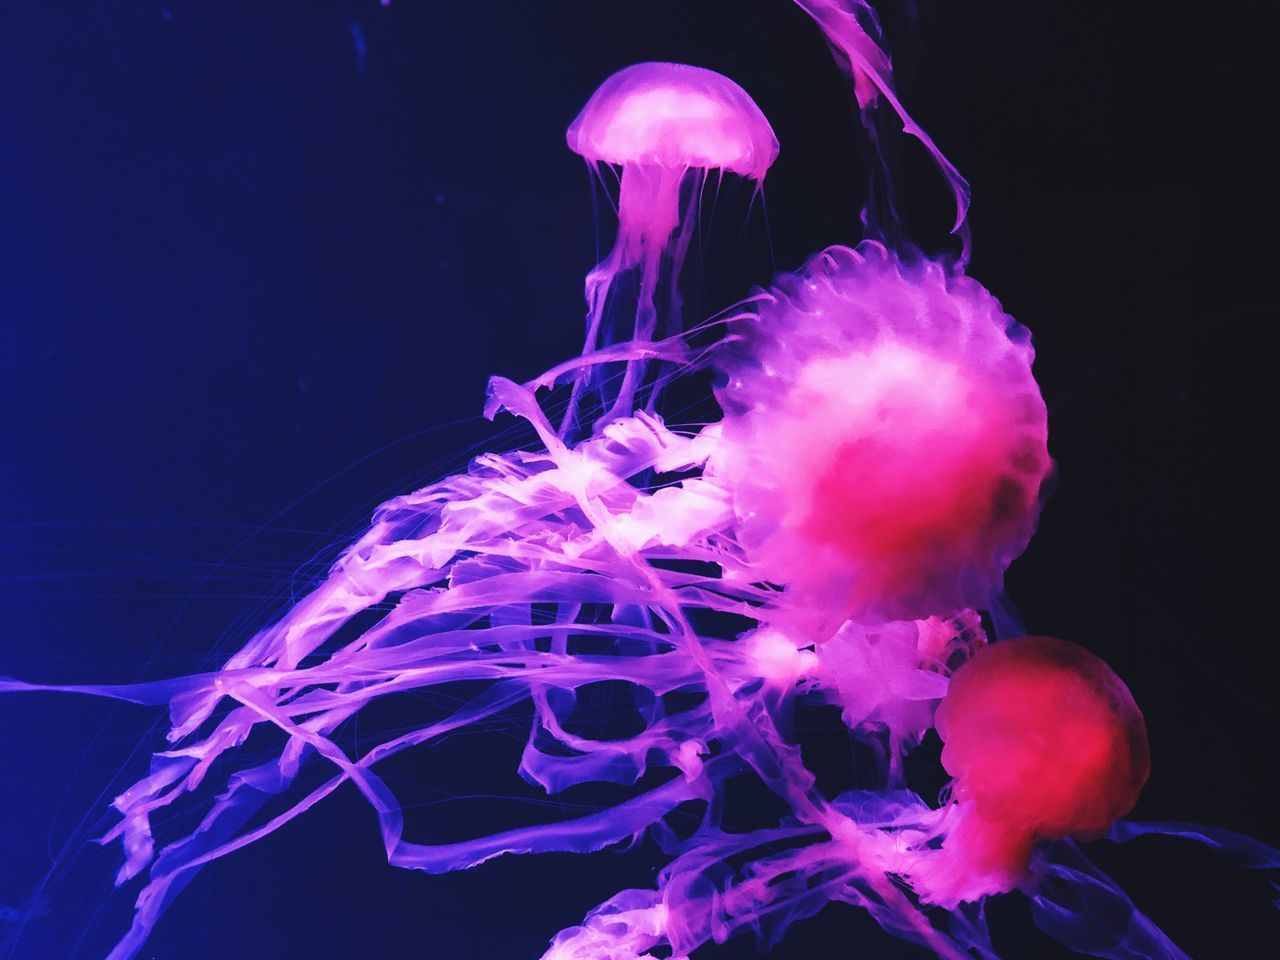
column 1044, row 742
column 885, row 438
column 665, row 125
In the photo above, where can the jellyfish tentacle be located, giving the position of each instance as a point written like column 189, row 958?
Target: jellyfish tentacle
column 871, row 71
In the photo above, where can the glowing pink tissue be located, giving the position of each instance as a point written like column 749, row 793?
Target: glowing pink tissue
column 885, row 439
column 666, row 125
column 1045, row 742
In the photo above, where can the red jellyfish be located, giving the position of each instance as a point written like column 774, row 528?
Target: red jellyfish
column 1044, row 742
column 665, row 125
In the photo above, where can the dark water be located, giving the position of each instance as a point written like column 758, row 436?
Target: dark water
column 257, row 261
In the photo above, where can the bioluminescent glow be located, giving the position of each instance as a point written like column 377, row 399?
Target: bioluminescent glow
column 831, row 540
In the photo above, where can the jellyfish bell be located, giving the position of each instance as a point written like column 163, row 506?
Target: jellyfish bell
column 1044, row 741
column 658, row 121
column 884, row 438
column 666, row 125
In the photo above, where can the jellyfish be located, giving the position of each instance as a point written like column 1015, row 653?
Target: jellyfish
column 1044, row 742
column 885, row 439
column 830, row 543
column 666, row 125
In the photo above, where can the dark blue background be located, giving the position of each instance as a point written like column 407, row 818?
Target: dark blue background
column 257, row 261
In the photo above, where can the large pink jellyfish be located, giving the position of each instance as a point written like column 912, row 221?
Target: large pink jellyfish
column 885, row 439
column 829, row 543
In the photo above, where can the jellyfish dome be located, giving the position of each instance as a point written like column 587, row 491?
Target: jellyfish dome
column 885, row 439
column 659, row 120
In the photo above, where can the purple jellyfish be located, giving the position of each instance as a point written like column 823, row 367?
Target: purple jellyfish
column 666, row 125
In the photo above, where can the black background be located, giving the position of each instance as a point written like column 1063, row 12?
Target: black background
column 257, row 261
